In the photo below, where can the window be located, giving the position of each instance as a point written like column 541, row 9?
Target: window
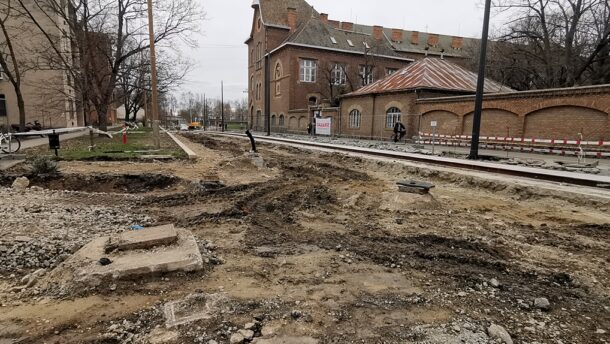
column 273, row 120
column 366, row 74
column 354, row 119
column 259, row 24
column 349, row 41
column 308, row 70
column 258, row 91
column 332, row 39
column 281, row 121
column 278, row 76
column 393, row 116
column 337, row 75
column 259, row 56
column 252, row 84
column 3, row 105
column 390, row 71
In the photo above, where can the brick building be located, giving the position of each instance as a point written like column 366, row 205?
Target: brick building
column 301, row 61
column 49, row 94
column 435, row 90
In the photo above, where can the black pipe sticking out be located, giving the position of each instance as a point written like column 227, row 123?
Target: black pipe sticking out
column 251, row 140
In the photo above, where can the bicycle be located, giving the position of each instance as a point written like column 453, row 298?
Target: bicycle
column 9, row 143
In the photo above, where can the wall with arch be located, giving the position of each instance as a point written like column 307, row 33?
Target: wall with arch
column 447, row 122
column 543, row 114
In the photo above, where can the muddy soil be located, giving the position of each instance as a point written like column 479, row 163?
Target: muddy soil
column 323, row 246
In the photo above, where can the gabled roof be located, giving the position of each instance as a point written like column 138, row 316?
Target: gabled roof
column 274, row 11
column 431, row 74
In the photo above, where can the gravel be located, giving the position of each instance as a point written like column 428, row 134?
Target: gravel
column 41, row 228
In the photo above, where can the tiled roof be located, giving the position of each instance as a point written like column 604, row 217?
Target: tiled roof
column 431, row 74
column 424, row 42
column 316, row 33
column 274, row 12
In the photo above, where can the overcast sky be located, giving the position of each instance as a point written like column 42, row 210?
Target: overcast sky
column 222, row 54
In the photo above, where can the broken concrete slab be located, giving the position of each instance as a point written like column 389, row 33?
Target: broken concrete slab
column 143, row 239
column 286, row 340
column 412, row 186
column 182, row 255
column 193, row 308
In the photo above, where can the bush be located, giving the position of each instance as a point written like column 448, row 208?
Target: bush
column 43, row 165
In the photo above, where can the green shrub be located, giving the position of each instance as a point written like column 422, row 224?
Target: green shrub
column 43, row 165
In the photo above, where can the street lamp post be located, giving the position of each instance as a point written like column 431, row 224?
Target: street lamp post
column 153, row 75
column 478, row 104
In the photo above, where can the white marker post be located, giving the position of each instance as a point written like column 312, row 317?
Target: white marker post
column 433, row 125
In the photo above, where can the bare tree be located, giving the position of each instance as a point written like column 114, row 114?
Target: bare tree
column 107, row 33
column 13, row 62
column 553, row 43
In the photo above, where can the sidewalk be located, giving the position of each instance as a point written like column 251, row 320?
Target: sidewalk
column 5, row 164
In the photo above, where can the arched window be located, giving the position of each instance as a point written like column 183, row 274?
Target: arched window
column 393, row 116
column 281, row 120
column 252, row 84
column 354, row 119
column 278, row 76
column 273, row 120
column 313, row 101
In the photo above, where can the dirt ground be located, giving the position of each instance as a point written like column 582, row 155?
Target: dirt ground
column 322, row 246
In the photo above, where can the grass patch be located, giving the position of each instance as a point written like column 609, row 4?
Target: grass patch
column 139, row 143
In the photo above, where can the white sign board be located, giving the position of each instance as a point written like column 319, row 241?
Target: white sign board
column 433, row 124
column 323, row 126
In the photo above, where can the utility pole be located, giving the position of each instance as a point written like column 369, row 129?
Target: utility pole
column 222, row 106
column 205, row 113
column 267, row 96
column 478, row 104
column 153, row 75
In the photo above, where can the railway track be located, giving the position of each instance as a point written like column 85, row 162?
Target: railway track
column 520, row 171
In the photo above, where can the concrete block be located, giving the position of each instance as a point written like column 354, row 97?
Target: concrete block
column 193, row 308
column 143, row 239
column 183, row 255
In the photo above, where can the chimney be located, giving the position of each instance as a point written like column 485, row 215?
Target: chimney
column 334, row 23
column 397, row 35
column 415, row 37
column 347, row 26
column 324, row 18
column 457, row 42
column 432, row 40
column 378, row 32
column 292, row 18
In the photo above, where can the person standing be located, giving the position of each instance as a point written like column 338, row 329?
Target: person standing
column 399, row 131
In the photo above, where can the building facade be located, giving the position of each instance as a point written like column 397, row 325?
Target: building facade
column 301, row 62
column 48, row 92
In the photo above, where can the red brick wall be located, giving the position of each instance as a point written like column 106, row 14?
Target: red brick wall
column 547, row 114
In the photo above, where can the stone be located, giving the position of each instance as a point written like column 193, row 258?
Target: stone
column 193, row 308
column 250, row 326
column 600, row 331
column 21, row 183
column 161, row 336
column 286, row 340
column 498, row 332
column 212, row 341
column 247, row 334
column 236, row 338
column 542, row 303
column 494, row 283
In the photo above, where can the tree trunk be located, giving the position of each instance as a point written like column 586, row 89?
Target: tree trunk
column 102, row 114
column 21, row 106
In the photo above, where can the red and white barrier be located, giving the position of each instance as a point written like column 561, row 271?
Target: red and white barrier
column 525, row 149
column 499, row 139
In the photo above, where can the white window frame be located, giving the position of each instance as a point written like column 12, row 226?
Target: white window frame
column 393, row 115
column 390, row 71
column 367, row 78
column 337, row 75
column 354, row 118
column 308, row 70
